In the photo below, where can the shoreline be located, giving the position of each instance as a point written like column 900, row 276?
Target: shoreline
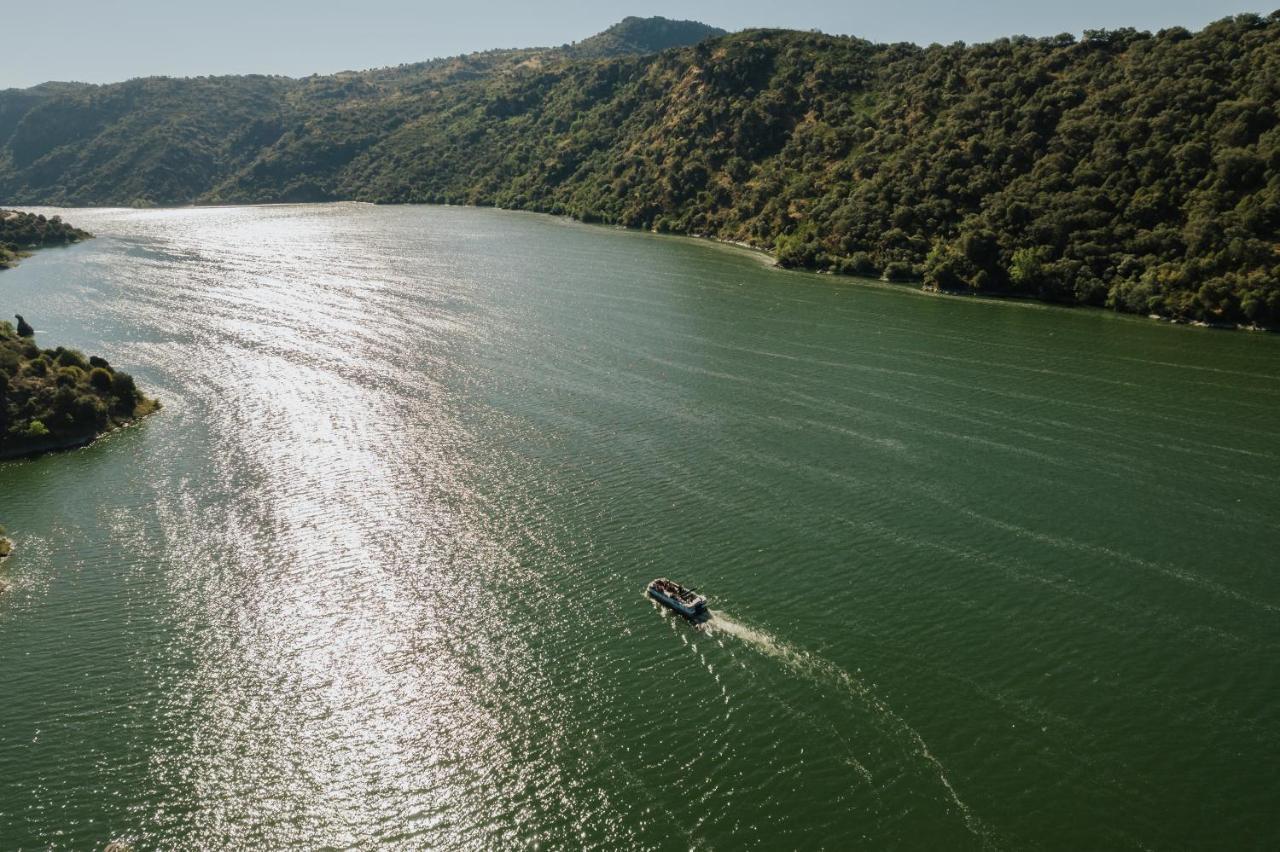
column 79, row 442
column 764, row 253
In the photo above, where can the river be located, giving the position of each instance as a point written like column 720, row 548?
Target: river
column 984, row 574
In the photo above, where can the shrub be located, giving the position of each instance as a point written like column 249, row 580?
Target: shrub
column 897, row 271
column 71, row 358
column 858, row 263
column 89, row 412
column 124, row 390
column 9, row 362
column 100, row 379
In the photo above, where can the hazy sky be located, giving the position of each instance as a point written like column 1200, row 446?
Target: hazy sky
column 106, row 40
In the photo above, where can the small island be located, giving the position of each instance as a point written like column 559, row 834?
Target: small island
column 22, row 233
column 55, row 399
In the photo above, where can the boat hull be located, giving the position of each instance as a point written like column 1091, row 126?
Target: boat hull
column 696, row 611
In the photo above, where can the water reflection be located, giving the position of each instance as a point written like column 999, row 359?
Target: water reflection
column 372, row 577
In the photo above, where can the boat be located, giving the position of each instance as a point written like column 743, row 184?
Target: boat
column 671, row 594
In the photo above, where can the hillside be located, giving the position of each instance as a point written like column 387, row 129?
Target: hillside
column 1133, row 170
column 639, row 36
column 171, row 141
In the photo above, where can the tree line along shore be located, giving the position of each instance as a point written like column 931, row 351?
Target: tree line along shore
column 1132, row 170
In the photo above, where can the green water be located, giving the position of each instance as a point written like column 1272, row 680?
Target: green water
column 984, row 574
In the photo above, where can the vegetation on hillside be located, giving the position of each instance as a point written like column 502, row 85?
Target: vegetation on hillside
column 634, row 36
column 1126, row 169
column 21, row 233
column 160, row 140
column 56, row 398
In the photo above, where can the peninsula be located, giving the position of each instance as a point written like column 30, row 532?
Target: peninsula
column 54, row 399
column 21, row 233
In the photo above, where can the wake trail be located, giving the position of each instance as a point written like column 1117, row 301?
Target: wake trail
column 820, row 670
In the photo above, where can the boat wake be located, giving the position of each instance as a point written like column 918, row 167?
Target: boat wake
column 823, row 671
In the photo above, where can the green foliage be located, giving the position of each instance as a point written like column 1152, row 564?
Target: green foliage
column 1027, row 268
column 633, row 35
column 23, row 232
column 1134, row 170
column 71, row 358
column 55, row 397
column 124, row 390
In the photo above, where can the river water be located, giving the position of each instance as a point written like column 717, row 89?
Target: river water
column 985, row 575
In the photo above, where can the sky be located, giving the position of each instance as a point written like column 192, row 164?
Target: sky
column 100, row 41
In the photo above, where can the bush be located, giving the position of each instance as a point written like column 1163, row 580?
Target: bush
column 100, row 379
column 897, row 271
column 9, row 362
column 124, row 390
column 71, row 358
column 858, row 263
column 88, row 413
column 69, row 377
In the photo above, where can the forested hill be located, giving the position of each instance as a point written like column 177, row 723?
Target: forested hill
column 1129, row 169
column 161, row 140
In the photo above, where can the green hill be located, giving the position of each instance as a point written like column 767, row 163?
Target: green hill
column 1134, row 170
column 180, row 141
column 638, row 36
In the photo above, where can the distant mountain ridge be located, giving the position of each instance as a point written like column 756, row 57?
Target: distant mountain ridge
column 1134, row 170
column 162, row 140
column 634, row 36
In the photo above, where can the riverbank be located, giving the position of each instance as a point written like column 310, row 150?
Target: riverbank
column 767, row 256
column 77, row 442
column 770, row 258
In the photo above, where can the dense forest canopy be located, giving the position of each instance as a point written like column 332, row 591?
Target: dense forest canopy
column 23, row 232
column 1134, row 170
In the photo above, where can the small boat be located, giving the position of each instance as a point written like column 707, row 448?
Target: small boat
column 675, row 596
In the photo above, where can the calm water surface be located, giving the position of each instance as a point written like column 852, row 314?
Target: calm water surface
column 985, row 575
